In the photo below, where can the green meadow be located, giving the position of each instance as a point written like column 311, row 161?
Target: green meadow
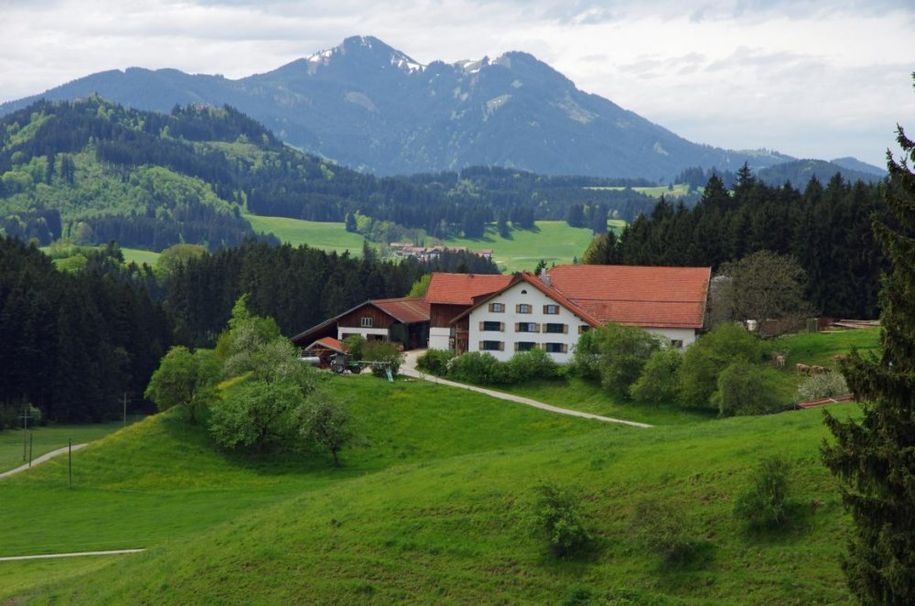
column 326, row 236
column 432, row 505
column 47, row 438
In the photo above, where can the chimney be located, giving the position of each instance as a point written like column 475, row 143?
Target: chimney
column 545, row 277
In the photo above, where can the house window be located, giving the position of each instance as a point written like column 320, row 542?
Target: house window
column 366, row 321
column 551, row 310
column 556, row 347
column 527, row 327
column 497, row 307
column 523, row 308
column 583, row 328
column 491, row 326
column 555, row 328
column 525, row 346
column 676, row 343
column 492, row 346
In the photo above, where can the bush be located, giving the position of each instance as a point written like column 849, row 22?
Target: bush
column 745, row 389
column 822, row 386
column 382, row 351
column 586, row 358
column 658, row 382
column 180, row 379
column 435, row 361
column 662, row 529
column 354, row 345
column 765, row 504
column 556, row 518
column 623, row 351
column 325, row 424
column 531, row 365
column 708, row 357
column 257, row 416
column 478, row 367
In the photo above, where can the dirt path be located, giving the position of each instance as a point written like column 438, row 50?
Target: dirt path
column 409, row 369
column 37, row 461
column 77, row 554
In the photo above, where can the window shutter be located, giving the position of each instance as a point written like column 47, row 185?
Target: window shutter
column 481, row 325
column 501, row 326
column 565, row 348
column 538, row 328
column 480, row 345
column 565, row 329
column 501, row 345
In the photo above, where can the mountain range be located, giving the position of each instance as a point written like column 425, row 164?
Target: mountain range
column 369, row 106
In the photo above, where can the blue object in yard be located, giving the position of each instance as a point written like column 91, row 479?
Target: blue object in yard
column 387, row 372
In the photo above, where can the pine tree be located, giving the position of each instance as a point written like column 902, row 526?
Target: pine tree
column 875, row 457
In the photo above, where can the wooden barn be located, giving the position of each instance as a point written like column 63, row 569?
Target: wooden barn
column 403, row 320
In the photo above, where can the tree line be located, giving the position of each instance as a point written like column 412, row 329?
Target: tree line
column 826, row 229
column 73, row 343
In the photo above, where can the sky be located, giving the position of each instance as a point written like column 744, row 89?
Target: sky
column 812, row 79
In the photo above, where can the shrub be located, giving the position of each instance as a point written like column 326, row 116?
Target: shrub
column 382, row 351
column 745, row 389
column 765, row 504
column 621, row 353
column 435, row 361
column 661, row 528
column 478, row 367
column 354, row 344
column 556, row 518
column 704, row 360
column 658, row 382
column 530, row 365
column 822, row 386
column 323, row 422
column 586, row 358
column 256, row 416
column 180, row 378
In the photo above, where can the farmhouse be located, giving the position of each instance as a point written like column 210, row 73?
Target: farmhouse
column 403, row 320
column 507, row 314
column 552, row 310
column 450, row 295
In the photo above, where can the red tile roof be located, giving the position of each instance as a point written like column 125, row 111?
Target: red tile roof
column 650, row 297
column 653, row 297
column 330, row 343
column 461, row 289
column 404, row 309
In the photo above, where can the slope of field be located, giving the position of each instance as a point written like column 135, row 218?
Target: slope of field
column 457, row 531
column 326, row 236
column 552, row 241
column 46, row 439
column 677, row 191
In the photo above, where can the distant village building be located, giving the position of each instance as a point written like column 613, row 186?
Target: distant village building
column 430, row 253
column 507, row 314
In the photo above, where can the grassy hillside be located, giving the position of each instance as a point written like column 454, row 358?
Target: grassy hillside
column 456, row 531
column 552, row 241
column 46, row 439
column 326, row 236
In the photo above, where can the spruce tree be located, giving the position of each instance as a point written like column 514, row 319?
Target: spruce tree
column 875, row 457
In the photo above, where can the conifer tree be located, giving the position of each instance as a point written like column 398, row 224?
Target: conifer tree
column 875, row 457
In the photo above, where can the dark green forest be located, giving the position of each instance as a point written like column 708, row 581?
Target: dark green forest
column 96, row 172
column 73, row 343
column 827, row 229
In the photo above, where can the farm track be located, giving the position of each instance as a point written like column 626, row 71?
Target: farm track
column 409, row 369
column 45, row 457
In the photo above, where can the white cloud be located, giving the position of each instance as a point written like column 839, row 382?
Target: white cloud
column 808, row 78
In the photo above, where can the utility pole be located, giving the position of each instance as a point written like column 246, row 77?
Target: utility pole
column 70, row 463
column 30, row 449
column 26, row 415
column 125, row 409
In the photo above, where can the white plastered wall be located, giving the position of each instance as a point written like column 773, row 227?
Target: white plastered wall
column 439, row 337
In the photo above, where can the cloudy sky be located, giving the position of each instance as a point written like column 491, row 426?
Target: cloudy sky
column 809, row 78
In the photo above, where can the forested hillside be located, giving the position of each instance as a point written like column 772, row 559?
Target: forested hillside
column 95, row 172
column 827, row 229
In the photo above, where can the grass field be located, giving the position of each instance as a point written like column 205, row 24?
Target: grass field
column 432, row 506
column 48, row 438
column 678, row 190
column 455, row 530
column 552, row 241
column 135, row 255
column 326, row 236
